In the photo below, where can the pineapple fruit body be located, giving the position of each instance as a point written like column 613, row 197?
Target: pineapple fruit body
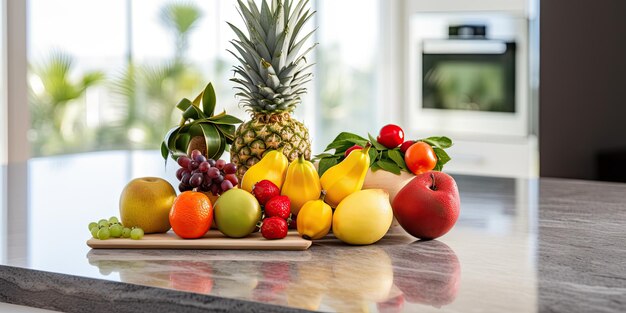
column 267, row 132
column 271, row 79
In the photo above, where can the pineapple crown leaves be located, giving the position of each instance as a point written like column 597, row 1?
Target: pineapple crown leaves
column 198, row 119
column 273, row 72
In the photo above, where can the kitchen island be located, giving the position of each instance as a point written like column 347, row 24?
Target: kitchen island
column 539, row 245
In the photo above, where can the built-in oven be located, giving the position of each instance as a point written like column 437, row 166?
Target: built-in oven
column 469, row 75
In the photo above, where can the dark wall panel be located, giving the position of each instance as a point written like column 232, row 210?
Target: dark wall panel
column 582, row 108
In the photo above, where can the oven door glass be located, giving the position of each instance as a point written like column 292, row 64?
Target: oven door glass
column 473, row 75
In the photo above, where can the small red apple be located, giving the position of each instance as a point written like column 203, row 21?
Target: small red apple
column 405, row 145
column 391, row 136
column 355, row 147
column 428, row 206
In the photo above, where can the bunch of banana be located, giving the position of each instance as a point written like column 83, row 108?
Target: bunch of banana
column 302, row 184
column 273, row 167
column 346, row 177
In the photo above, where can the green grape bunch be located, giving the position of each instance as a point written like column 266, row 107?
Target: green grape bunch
column 112, row 228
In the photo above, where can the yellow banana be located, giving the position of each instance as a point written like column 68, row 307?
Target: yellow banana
column 273, row 167
column 302, row 183
column 346, row 177
column 314, row 220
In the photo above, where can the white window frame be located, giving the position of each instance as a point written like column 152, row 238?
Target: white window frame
column 16, row 148
column 14, row 145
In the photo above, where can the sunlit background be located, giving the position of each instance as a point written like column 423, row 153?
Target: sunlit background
column 104, row 77
column 109, row 77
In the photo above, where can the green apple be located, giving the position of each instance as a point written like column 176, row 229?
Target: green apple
column 236, row 213
column 146, row 202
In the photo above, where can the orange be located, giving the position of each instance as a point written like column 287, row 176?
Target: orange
column 191, row 215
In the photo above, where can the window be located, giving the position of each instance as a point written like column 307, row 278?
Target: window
column 346, row 67
column 110, row 77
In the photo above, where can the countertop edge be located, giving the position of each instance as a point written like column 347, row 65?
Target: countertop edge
column 69, row 293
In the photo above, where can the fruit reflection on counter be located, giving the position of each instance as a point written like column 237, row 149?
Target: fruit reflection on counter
column 427, row 272
column 335, row 278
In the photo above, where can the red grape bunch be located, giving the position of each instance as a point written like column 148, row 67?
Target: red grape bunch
column 205, row 175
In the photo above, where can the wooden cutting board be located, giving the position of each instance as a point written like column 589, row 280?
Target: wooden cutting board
column 213, row 240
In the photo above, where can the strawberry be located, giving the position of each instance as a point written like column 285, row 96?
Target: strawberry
column 274, row 228
column 278, row 206
column 265, row 190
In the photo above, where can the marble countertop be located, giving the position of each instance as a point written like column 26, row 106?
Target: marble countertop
column 520, row 245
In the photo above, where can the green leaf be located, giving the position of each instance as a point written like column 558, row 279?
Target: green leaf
column 193, row 112
column 227, row 130
column 440, row 142
column 214, row 143
column 373, row 156
column 323, row 155
column 184, row 104
column 164, row 152
column 325, row 164
column 340, row 146
column 442, row 158
column 353, row 138
column 225, row 119
column 396, row 156
column 374, row 167
column 178, row 154
column 170, row 138
column 209, row 100
column 182, row 142
column 222, row 148
column 195, row 129
column 375, row 143
column 389, row 166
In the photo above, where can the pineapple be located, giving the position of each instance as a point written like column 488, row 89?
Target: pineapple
column 270, row 80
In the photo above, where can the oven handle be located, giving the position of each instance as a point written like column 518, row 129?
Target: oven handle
column 464, row 47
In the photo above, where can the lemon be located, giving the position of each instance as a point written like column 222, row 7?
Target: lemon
column 363, row 217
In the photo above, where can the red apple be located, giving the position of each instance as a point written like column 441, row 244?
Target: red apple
column 391, row 136
column 355, row 147
column 428, row 206
column 405, row 145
